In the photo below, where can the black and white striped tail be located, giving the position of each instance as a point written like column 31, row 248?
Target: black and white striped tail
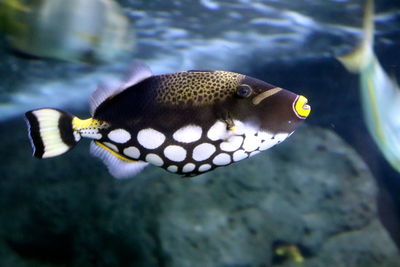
column 50, row 131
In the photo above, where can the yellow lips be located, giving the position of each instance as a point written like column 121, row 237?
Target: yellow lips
column 301, row 108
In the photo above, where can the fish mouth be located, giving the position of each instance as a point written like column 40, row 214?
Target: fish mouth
column 301, row 107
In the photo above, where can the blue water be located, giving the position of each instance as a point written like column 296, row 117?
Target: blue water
column 181, row 35
column 288, row 43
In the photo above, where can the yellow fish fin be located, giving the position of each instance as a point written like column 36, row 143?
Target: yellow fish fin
column 363, row 54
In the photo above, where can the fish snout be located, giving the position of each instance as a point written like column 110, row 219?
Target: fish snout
column 301, row 107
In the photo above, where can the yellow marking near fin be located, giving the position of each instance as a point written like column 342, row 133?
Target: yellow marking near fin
column 79, row 124
column 301, row 108
column 113, row 152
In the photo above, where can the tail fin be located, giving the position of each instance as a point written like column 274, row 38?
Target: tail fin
column 363, row 54
column 50, row 132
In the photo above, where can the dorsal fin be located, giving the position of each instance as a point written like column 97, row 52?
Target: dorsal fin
column 138, row 72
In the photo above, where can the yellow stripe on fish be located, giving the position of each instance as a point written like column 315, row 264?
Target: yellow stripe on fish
column 113, row 152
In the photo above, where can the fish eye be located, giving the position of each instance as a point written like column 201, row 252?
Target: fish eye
column 244, row 90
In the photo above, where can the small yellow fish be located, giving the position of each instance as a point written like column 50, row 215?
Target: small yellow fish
column 380, row 94
column 291, row 252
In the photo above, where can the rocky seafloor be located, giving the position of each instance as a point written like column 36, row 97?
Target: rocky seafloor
column 313, row 192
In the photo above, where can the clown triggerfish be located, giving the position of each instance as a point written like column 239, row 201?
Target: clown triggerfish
column 187, row 122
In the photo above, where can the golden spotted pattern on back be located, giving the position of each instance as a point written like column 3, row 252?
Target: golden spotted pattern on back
column 197, row 87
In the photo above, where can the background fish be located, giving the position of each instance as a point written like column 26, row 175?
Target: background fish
column 380, row 94
column 187, row 122
column 76, row 30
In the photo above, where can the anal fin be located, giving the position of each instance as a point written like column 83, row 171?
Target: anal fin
column 118, row 165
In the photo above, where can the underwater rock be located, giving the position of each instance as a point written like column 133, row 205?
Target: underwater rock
column 312, row 197
column 313, row 192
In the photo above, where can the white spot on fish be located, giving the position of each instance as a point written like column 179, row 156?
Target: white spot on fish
column 188, row 134
column 273, row 140
column 251, row 143
column 93, row 134
column 172, row 168
column 119, row 136
column 233, row 143
column 218, row 131
column 132, row 152
column 267, row 144
column 280, row 137
column 267, row 140
column 265, row 135
column 96, row 136
column 203, row 151
column 77, row 136
column 249, row 130
column 175, row 153
column 150, row 138
column 112, row 146
column 204, row 167
column 188, row 167
column 154, row 159
column 251, row 140
column 254, row 153
column 239, row 155
column 239, row 127
column 222, row 159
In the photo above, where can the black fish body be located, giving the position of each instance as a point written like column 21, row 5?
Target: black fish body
column 186, row 122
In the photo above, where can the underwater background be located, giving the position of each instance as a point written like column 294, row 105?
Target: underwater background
column 324, row 197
